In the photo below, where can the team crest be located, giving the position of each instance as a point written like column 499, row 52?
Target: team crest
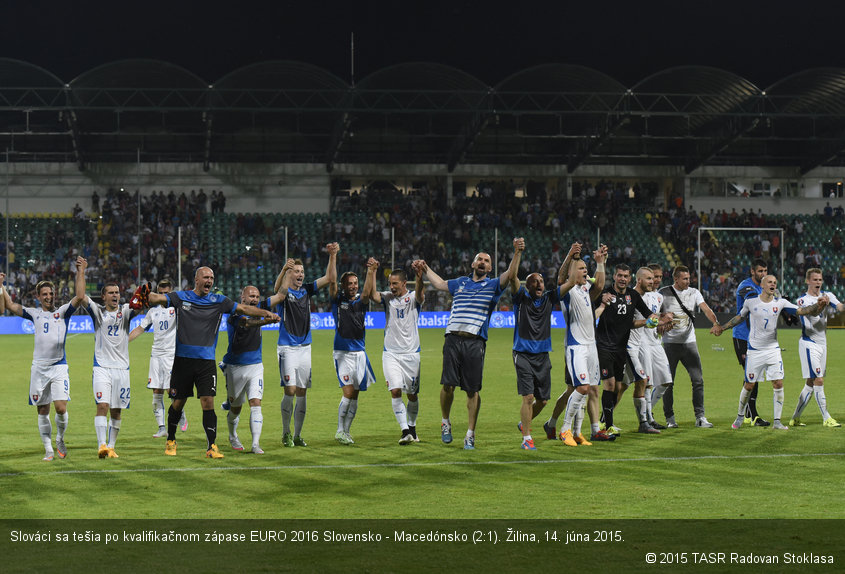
column 35, row 398
column 642, row 372
column 120, row 315
column 818, row 370
column 99, row 396
column 345, row 378
column 171, row 311
column 287, row 378
column 604, row 373
column 774, row 309
column 628, row 299
column 407, row 299
column 582, row 376
column 751, row 376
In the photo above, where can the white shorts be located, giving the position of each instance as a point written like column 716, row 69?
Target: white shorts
column 813, row 359
column 353, row 368
column 243, row 382
column 656, row 365
column 763, row 365
column 634, row 368
column 48, row 383
column 402, row 371
column 295, row 366
column 111, row 386
column 160, row 368
column 583, row 364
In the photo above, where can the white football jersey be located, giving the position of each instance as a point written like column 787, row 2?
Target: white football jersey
column 654, row 301
column 50, row 333
column 579, row 315
column 763, row 333
column 111, row 335
column 162, row 321
column 401, row 314
column 813, row 328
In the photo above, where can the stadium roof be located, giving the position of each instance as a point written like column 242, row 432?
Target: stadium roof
column 419, row 112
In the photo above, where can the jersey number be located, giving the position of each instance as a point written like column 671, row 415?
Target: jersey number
column 767, row 324
column 114, row 330
column 400, row 313
column 162, row 325
column 622, row 310
column 46, row 327
column 124, row 394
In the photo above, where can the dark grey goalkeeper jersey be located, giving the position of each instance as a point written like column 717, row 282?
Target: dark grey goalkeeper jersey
column 199, row 322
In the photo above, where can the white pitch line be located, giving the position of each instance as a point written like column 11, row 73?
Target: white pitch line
column 421, row 464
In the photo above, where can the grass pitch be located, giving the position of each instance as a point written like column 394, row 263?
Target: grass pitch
column 683, row 473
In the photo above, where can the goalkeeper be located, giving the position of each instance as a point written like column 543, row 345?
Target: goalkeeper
column 200, row 312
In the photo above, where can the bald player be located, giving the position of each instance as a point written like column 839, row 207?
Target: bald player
column 243, row 367
column 200, row 312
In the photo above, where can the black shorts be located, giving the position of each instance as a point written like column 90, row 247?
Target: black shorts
column 741, row 350
column 463, row 362
column 187, row 373
column 533, row 374
column 612, row 364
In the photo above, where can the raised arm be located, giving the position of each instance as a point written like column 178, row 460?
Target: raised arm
column 419, row 285
column 14, row 308
column 370, row 281
column 330, row 278
column 563, row 273
column 372, row 293
column 282, row 283
column 513, row 268
column 2, row 294
column 600, row 256
column 81, row 298
column 436, row 281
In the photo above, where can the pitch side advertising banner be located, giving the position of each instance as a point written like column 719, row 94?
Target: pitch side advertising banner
column 375, row 320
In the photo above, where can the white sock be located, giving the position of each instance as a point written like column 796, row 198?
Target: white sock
column 778, row 402
column 61, row 425
column 114, row 428
column 579, row 419
column 572, row 407
column 639, row 407
column 821, row 400
column 445, row 422
column 299, row 415
column 350, row 414
column 342, row 410
column 232, row 420
column 470, row 433
column 657, row 394
column 400, row 413
column 743, row 401
column 101, row 427
column 45, row 429
column 648, row 412
column 803, row 400
column 256, row 422
column 594, row 428
column 413, row 410
column 158, row 409
column 287, row 411
column 526, row 437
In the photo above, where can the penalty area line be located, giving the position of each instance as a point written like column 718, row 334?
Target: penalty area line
column 422, row 464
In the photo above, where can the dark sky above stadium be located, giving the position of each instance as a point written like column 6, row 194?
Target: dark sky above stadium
column 761, row 41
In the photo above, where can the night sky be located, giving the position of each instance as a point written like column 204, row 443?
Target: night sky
column 760, row 41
